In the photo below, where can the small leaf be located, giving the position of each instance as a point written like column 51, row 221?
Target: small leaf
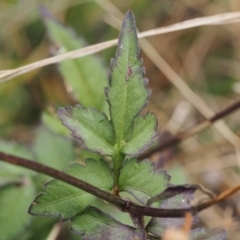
column 14, row 202
column 141, row 180
column 208, row 234
column 94, row 224
column 90, row 127
column 86, row 76
column 53, row 149
column 61, row 199
column 172, row 191
column 157, row 226
column 144, row 129
column 127, row 94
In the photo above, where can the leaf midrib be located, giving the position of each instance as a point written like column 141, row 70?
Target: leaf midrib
column 123, row 118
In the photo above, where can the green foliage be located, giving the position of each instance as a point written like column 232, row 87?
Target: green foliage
column 126, row 133
column 9, row 172
column 127, row 95
column 76, row 71
column 61, row 199
column 90, row 127
column 18, row 186
column 94, row 224
column 142, row 133
column 57, row 152
column 16, row 198
column 16, row 193
column 142, row 188
column 120, row 137
column 53, row 123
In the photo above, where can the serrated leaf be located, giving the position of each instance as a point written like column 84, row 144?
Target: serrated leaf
column 142, row 180
column 53, row 149
column 144, row 129
column 127, row 94
column 94, row 224
column 157, row 226
column 90, row 127
column 14, row 202
column 208, row 234
column 86, row 76
column 61, row 199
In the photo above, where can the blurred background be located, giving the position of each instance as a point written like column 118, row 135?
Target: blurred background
column 206, row 58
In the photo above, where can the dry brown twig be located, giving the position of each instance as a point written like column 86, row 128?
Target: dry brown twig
column 191, row 131
column 225, row 18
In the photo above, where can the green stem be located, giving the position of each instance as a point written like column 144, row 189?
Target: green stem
column 117, row 163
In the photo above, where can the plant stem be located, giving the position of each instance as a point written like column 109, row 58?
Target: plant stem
column 125, row 206
column 117, row 163
column 191, row 131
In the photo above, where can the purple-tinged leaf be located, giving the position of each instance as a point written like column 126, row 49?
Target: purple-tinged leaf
column 94, row 224
column 172, row 191
column 144, row 130
column 157, row 226
column 208, row 234
column 90, row 127
column 127, row 94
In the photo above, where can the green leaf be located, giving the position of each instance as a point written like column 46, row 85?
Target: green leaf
column 40, row 227
column 142, row 180
column 90, row 127
column 127, row 94
column 208, row 234
column 86, row 77
column 94, row 224
column 52, row 149
column 53, row 123
column 14, row 202
column 61, row 199
column 144, row 129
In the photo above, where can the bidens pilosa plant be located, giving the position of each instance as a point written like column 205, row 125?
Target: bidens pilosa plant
column 121, row 137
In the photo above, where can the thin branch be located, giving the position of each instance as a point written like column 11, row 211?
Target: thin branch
column 225, row 194
column 120, row 203
column 126, row 206
column 191, row 131
column 41, row 168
